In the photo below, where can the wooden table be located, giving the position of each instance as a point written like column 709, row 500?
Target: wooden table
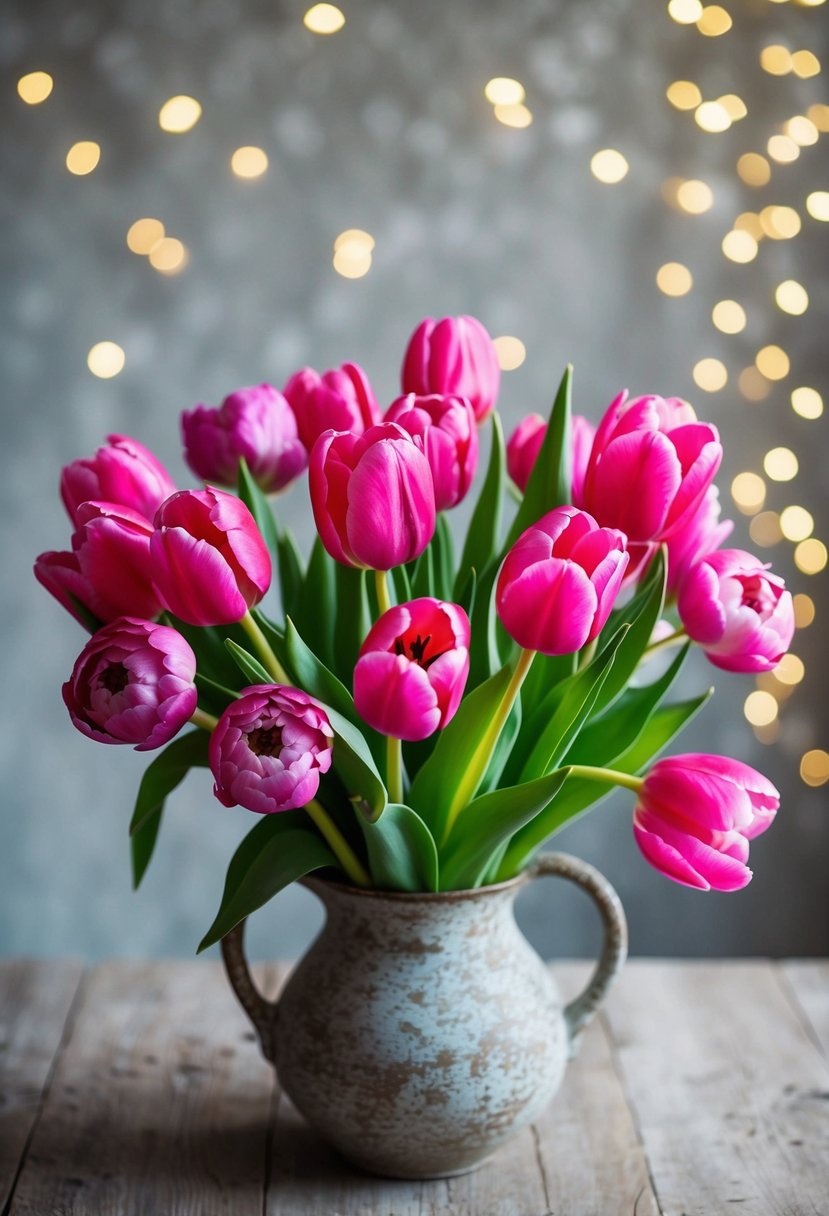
column 137, row 1088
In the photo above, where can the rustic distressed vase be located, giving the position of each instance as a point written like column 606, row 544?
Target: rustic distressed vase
column 421, row 1031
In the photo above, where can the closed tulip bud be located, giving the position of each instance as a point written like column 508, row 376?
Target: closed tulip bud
column 453, row 356
column 124, row 473
column 695, row 816
column 209, row 561
column 269, row 748
column 373, row 496
column 700, row 534
column 413, row 668
column 525, row 444
column 445, row 428
column 337, row 400
column 132, row 683
column 257, row 424
column 559, row 581
column 740, row 614
column 650, row 465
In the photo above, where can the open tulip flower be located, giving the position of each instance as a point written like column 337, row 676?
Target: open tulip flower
column 122, row 472
column 337, row 400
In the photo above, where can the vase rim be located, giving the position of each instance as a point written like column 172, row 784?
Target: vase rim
column 320, row 885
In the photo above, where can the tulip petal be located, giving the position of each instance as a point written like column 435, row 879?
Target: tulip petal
column 193, row 579
column 395, row 696
column 634, row 483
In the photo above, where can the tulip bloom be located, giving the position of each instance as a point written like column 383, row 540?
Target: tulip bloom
column 413, row 668
column 695, row 816
column 338, row 400
column 445, row 428
column 740, row 614
column 124, row 473
column 453, row 356
column 649, row 467
column 269, row 748
column 700, row 534
column 559, row 581
column 133, row 682
column 373, row 496
column 255, row 423
column 525, row 444
column 209, row 561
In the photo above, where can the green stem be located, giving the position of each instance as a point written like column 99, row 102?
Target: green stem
column 206, row 721
column 587, row 653
column 339, row 845
column 383, row 600
column 262, row 646
column 671, row 640
column 608, row 776
column 394, row 769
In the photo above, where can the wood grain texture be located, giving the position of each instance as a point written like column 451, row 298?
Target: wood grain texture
column 806, row 981
column 729, row 1091
column 35, row 1000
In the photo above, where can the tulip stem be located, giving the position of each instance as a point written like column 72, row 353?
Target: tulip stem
column 671, row 640
column 394, row 769
column 608, row 776
column 587, row 653
column 340, row 847
column 383, row 601
column 201, row 718
column 266, row 654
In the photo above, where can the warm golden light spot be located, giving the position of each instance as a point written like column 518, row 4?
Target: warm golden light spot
column 802, row 130
column 712, row 117
column 739, row 246
column 807, row 402
column 356, row 237
column 790, row 670
column 144, row 234
column 685, row 12
column 783, row 149
column 713, row 21
column 796, row 523
column 35, row 87
column 780, row 464
column 105, row 360
column 749, row 492
column 805, row 64
column 734, row 106
column 780, row 223
column 609, row 166
column 168, row 255
column 683, row 94
column 83, row 157
column 767, row 734
column 674, row 279
column 814, row 767
column 179, row 114
column 710, row 375
column 776, row 60
column 669, row 189
column 729, row 317
column 817, row 204
column 791, row 297
column 753, row 385
column 504, row 91
column 760, row 708
column 249, row 162
column 804, row 610
column 695, row 197
column 764, row 529
column 511, row 352
column 810, row 556
column 819, row 115
column 352, row 258
column 517, row 116
column 754, row 169
column 749, row 221
column 773, row 362
column 324, row 19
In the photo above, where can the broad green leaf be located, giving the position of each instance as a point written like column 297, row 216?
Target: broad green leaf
column 208, row 642
column 291, row 572
column 641, row 614
column 313, row 676
column 484, row 658
column 251, row 668
column 444, row 553
column 352, row 621
column 258, row 505
column 167, row 770
column 423, row 582
column 318, row 604
column 274, row 635
column 546, row 673
column 280, row 849
column 355, row 766
column 214, row 697
column 402, row 855
column 503, row 747
column 550, row 483
column 400, row 582
column 663, row 726
column 483, row 538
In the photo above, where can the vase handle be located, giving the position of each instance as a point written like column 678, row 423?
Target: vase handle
column 262, row 1013
column 580, row 1011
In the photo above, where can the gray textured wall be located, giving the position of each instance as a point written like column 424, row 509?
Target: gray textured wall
column 382, row 126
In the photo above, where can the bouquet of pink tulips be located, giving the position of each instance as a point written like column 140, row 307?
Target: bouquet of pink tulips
column 415, row 720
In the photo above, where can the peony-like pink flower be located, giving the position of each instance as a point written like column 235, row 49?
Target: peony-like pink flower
column 559, row 581
column 209, row 561
column 124, row 473
column 269, row 749
column 413, row 668
column 373, row 496
column 695, row 816
column 650, row 465
column 525, row 444
column 133, row 682
column 445, row 428
column 255, row 423
column 453, row 356
column 740, row 614
column 337, row 400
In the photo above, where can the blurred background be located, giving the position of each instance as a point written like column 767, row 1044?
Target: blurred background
column 637, row 187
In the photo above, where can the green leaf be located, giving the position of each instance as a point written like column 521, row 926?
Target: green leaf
column 214, row 697
column 354, row 764
column 208, row 643
column 352, row 621
column 444, row 552
column 258, row 505
column 641, row 614
column 402, row 854
column 483, row 538
column 291, row 572
column 546, row 673
column 311, row 674
column 484, row 657
column 423, row 582
column 251, row 668
column 550, row 481
column 167, row 770
column 503, row 748
column 663, row 726
column 279, row 850
column 318, row 604
column 401, row 583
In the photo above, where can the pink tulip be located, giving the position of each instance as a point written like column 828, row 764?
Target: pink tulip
column 269, row 748
column 125, row 473
column 525, row 444
column 700, row 534
column 132, row 683
column 60, row 573
column 453, row 356
column 695, row 816
column 338, row 400
column 649, row 467
column 559, row 581
column 373, row 496
column 209, row 561
column 446, row 431
column 413, row 668
column 741, row 615
column 255, row 423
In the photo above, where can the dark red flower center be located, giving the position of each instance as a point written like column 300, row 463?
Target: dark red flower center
column 415, row 649
column 265, row 741
column 114, row 678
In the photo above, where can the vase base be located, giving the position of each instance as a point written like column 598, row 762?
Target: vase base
column 413, row 1175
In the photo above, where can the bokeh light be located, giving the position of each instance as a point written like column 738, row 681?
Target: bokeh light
column 796, row 523
column 776, row 60
column 712, row 117
column 685, row 12
column 504, row 91
column 105, row 360
column 511, row 352
column 684, row 95
column 807, row 402
column 695, row 197
column 179, row 114
column 780, row 464
column 35, row 87
column 749, row 492
column 780, row 223
column 729, row 317
column 817, row 204
column 609, row 166
column 791, row 297
column 324, row 19
column 168, row 255
column 713, row 21
column 83, row 157
column 772, row 362
column 804, row 610
column 674, row 279
column 249, row 161
column 753, row 384
column 765, row 530
column 760, row 708
column 739, row 246
column 814, row 767
column 810, row 556
column 710, row 375
column 754, row 169
column 144, row 234
column 517, row 116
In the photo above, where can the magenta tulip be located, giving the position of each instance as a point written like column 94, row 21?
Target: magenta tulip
column 650, row 465
column 559, row 581
column 740, row 614
column 338, row 400
column 413, row 668
column 133, row 682
column 124, row 472
column 60, row 573
column 695, row 816
column 209, row 561
column 446, row 431
column 700, row 534
column 255, row 423
column 269, row 748
column 373, row 496
column 525, row 444
column 453, row 356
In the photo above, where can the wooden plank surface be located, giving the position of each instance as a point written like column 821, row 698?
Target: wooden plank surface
column 807, row 982
column 35, row 1001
